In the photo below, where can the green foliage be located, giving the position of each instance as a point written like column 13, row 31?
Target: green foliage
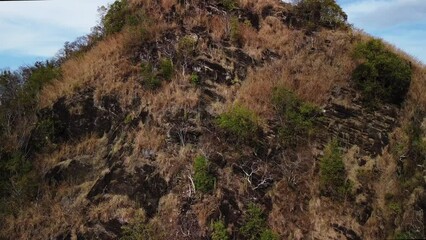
column 332, row 172
column 150, row 79
column 395, row 207
column 407, row 235
column 239, row 121
column 235, row 31
column 186, row 45
column 129, row 118
column 194, row 79
column 43, row 134
column 382, row 76
column 268, row 235
column 219, row 231
column 324, row 13
column 166, row 68
column 204, row 180
column 115, row 18
column 255, row 226
column 297, row 118
column 138, row 229
column 229, row 4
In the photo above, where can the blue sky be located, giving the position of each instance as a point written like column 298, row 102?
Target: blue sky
column 31, row 31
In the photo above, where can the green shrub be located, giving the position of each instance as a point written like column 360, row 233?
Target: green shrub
column 324, row 13
column 297, row 118
column 382, row 76
column 229, row 4
column 255, row 226
column 115, row 18
column 138, row 229
column 204, row 180
column 240, row 122
column 150, row 79
column 332, row 172
column 186, row 45
column 194, row 79
column 268, row 235
column 407, row 235
column 219, row 231
column 395, row 207
column 235, row 31
column 166, row 68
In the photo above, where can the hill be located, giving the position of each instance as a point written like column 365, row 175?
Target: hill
column 220, row 119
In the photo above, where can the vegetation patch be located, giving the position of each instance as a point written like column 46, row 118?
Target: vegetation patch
column 382, row 76
column 255, row 225
column 297, row 119
column 194, row 79
column 138, row 229
column 333, row 179
column 320, row 13
column 240, row 122
column 219, row 231
column 235, row 31
column 229, row 4
column 166, row 68
column 204, row 180
column 115, row 18
column 153, row 78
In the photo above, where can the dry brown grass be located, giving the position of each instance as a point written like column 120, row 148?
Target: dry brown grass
column 104, row 63
column 309, row 66
column 89, row 146
column 257, row 6
column 115, row 207
column 149, row 138
column 217, row 27
column 52, row 215
column 173, row 97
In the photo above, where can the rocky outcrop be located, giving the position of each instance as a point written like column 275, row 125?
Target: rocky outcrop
column 79, row 116
column 74, row 170
column 145, row 186
column 346, row 119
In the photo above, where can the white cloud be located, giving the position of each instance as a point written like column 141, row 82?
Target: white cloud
column 40, row 28
column 400, row 22
column 385, row 13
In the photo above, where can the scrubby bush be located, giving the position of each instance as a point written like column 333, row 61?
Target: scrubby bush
column 268, row 235
column 204, row 180
column 255, row 226
column 235, row 31
column 240, row 122
column 115, row 18
column 332, row 172
column 186, row 45
column 219, row 231
column 382, row 75
column 150, row 79
column 297, row 118
column 325, row 13
column 138, row 229
column 166, row 68
column 229, row 4
column 194, row 79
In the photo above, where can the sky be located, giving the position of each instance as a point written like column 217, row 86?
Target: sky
column 33, row 31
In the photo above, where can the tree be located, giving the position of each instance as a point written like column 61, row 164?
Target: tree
column 325, row 13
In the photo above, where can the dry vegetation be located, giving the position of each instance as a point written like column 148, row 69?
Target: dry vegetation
column 308, row 65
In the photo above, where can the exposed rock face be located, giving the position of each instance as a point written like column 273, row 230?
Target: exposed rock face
column 345, row 118
column 72, row 170
column 144, row 186
column 78, row 116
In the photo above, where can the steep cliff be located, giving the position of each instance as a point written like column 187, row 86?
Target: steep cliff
column 222, row 120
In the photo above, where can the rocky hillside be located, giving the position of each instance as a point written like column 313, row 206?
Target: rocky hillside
column 219, row 119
